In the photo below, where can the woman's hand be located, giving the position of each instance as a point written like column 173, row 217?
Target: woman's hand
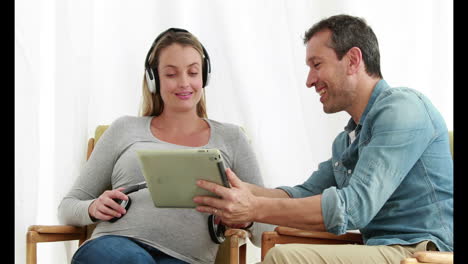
column 105, row 208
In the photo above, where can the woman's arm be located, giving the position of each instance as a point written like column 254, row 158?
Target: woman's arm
column 94, row 179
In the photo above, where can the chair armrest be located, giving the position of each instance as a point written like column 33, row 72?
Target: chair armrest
column 428, row 257
column 57, row 229
column 410, row 261
column 286, row 235
column 348, row 237
column 237, row 237
column 241, row 233
column 434, row 257
column 40, row 233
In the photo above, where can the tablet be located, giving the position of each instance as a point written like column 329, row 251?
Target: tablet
column 171, row 175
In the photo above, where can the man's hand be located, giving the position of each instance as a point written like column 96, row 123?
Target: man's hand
column 237, row 205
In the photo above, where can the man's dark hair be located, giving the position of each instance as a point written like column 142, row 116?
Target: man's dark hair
column 347, row 32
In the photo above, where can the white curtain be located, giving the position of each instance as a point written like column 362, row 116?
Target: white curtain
column 79, row 64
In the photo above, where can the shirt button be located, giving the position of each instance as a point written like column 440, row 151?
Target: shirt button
column 336, row 163
column 349, row 171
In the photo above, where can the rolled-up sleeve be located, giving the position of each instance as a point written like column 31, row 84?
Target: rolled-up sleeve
column 333, row 211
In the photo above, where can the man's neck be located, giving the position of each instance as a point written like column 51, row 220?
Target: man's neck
column 365, row 88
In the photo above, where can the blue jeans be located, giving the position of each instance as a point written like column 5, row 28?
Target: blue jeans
column 120, row 249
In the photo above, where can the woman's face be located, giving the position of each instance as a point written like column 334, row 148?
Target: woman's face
column 180, row 77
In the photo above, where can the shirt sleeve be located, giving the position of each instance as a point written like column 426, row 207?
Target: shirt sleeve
column 315, row 184
column 398, row 130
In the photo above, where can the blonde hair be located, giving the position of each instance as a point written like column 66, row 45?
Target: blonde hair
column 153, row 104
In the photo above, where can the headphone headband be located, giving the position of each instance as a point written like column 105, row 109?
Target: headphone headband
column 152, row 77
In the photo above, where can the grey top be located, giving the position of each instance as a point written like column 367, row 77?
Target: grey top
column 181, row 233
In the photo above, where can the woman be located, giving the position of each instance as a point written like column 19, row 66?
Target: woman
column 173, row 117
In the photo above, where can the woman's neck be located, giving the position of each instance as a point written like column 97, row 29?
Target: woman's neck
column 184, row 129
column 178, row 122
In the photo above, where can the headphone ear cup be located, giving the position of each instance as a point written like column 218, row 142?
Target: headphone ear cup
column 156, row 82
column 206, row 72
column 151, row 82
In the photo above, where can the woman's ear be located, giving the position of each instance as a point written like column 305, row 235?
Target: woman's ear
column 354, row 56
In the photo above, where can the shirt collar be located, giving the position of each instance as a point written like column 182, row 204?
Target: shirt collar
column 378, row 89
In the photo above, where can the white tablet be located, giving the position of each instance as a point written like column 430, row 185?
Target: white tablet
column 171, row 175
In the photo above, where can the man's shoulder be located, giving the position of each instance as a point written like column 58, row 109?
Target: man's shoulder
column 401, row 100
column 401, row 94
column 384, row 92
column 400, row 108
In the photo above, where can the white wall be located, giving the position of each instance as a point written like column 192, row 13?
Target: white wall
column 79, row 64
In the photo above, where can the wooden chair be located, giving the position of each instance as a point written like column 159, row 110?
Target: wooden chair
column 231, row 251
column 286, row 235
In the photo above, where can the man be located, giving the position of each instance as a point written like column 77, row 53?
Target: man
column 390, row 174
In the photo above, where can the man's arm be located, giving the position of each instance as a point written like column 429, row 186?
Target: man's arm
column 302, row 213
column 266, row 192
column 240, row 204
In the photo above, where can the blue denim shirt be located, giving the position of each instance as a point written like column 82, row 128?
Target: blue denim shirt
column 394, row 182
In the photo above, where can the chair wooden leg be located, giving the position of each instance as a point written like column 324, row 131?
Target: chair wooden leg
column 234, row 250
column 31, row 248
column 268, row 241
column 243, row 254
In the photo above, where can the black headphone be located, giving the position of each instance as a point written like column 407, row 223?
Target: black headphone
column 152, row 76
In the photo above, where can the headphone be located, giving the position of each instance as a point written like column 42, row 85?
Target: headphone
column 126, row 203
column 152, row 76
